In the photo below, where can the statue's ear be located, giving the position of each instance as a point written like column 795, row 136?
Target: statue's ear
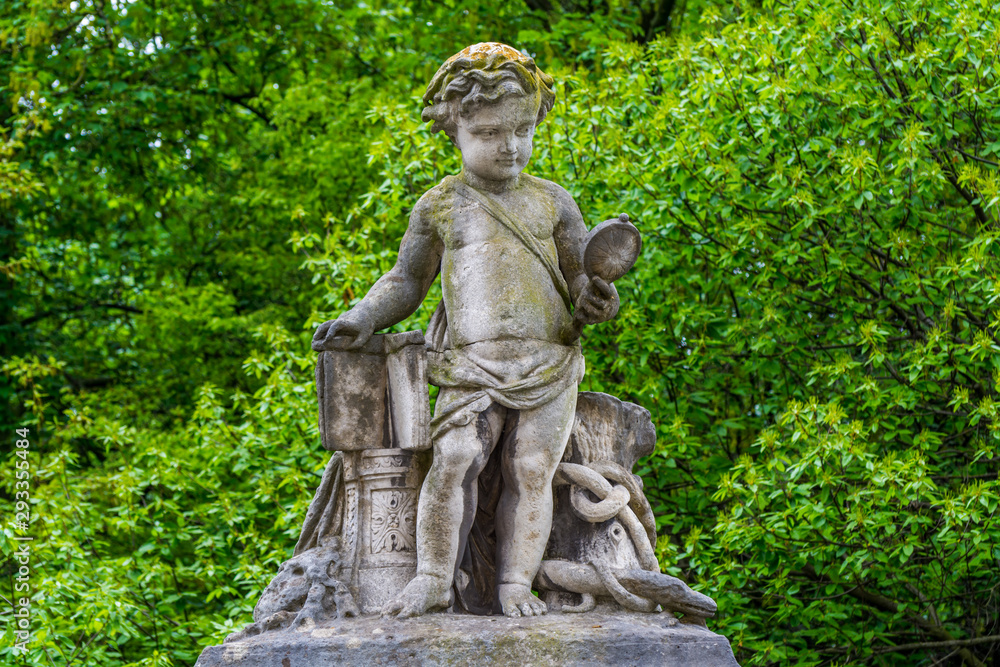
column 441, row 115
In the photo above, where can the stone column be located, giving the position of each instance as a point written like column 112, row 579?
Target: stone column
column 387, row 545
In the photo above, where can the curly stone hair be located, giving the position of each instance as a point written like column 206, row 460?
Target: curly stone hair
column 481, row 74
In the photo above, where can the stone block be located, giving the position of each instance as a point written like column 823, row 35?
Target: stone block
column 619, row 638
column 375, row 397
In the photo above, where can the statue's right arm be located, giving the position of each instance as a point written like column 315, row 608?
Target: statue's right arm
column 397, row 294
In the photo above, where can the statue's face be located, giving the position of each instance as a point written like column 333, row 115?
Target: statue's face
column 495, row 139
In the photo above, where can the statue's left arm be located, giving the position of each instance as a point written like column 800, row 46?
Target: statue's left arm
column 594, row 299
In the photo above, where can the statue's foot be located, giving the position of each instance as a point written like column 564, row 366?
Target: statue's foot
column 424, row 593
column 516, row 600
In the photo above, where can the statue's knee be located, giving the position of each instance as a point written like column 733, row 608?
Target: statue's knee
column 452, row 465
column 534, row 471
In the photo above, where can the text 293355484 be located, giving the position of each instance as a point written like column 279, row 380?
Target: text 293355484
column 22, row 553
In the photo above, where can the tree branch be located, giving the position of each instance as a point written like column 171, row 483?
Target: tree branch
column 885, row 604
column 916, row 646
column 75, row 309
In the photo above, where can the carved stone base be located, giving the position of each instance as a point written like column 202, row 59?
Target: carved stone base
column 595, row 638
column 382, row 521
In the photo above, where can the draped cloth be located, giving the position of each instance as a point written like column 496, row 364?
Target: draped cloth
column 516, row 373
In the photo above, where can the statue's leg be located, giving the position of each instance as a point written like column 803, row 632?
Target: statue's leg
column 524, row 517
column 446, row 509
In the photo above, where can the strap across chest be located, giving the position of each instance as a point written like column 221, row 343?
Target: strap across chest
column 529, row 240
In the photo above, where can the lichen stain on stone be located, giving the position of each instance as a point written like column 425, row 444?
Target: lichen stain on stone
column 324, row 632
column 235, row 653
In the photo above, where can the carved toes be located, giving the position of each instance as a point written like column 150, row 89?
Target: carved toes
column 516, row 600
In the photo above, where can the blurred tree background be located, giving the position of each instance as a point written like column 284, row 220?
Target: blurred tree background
column 188, row 188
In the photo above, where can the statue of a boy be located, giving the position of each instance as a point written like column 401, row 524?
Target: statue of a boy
column 504, row 349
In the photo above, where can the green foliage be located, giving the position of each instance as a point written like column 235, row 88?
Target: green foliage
column 813, row 316
column 819, row 189
column 187, row 190
column 168, row 540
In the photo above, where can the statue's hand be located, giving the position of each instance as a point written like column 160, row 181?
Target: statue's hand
column 598, row 302
column 348, row 332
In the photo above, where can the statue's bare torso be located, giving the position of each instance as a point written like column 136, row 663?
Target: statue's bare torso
column 494, row 287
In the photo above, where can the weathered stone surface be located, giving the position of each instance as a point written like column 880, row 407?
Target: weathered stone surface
column 600, row 549
column 611, row 249
column 409, row 401
column 374, row 397
column 509, row 248
column 352, row 409
column 596, row 638
column 385, row 545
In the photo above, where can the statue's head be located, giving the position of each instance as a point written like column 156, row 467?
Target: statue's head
column 480, row 75
column 488, row 98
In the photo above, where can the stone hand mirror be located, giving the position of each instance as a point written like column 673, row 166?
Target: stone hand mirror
column 611, row 249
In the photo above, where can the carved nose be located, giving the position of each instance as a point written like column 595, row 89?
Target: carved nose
column 508, row 144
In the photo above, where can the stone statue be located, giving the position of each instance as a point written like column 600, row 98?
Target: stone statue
column 514, row 443
column 509, row 248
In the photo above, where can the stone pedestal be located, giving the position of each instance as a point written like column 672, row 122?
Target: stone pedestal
column 383, row 540
column 375, row 408
column 595, row 638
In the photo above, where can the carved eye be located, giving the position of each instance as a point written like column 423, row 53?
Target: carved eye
column 617, row 533
column 298, row 571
